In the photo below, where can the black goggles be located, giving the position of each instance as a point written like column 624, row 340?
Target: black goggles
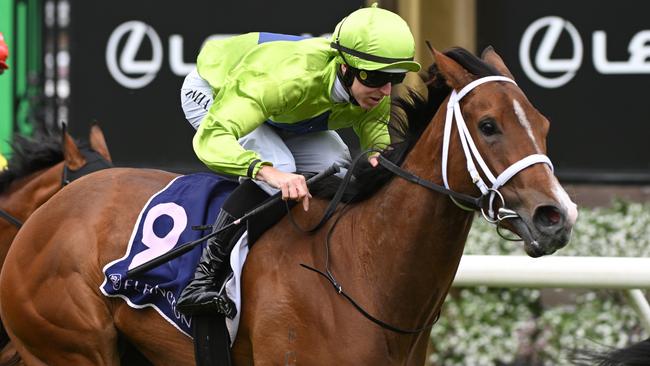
column 376, row 79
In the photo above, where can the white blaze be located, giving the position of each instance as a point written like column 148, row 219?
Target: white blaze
column 560, row 194
column 523, row 120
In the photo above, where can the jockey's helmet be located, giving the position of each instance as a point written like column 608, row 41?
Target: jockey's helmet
column 375, row 39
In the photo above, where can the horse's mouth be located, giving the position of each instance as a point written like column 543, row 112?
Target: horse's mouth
column 534, row 246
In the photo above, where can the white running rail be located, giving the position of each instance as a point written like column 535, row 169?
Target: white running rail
column 624, row 273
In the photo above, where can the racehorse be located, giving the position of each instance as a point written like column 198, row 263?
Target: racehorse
column 39, row 168
column 393, row 249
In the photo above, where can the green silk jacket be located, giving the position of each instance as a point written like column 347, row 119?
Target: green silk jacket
column 265, row 77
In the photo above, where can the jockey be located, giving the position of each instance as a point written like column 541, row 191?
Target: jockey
column 3, row 162
column 4, row 54
column 264, row 106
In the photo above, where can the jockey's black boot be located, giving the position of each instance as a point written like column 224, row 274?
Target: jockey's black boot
column 201, row 295
column 204, row 295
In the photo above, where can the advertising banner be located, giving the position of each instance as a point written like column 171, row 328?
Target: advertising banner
column 586, row 66
column 128, row 60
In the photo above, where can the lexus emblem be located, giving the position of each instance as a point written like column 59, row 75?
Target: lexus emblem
column 543, row 61
column 122, row 63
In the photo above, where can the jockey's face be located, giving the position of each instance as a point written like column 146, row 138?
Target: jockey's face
column 368, row 97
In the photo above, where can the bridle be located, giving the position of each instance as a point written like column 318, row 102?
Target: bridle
column 470, row 203
column 488, row 194
column 94, row 162
column 472, row 153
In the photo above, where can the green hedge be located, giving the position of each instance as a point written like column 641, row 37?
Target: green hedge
column 493, row 326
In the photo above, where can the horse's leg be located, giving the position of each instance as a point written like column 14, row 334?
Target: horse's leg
column 51, row 304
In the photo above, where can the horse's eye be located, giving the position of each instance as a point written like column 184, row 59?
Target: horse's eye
column 488, row 127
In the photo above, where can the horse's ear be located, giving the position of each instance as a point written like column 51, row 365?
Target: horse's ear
column 455, row 75
column 490, row 56
column 73, row 157
column 98, row 142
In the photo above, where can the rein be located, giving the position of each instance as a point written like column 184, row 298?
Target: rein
column 10, row 219
column 328, row 213
column 475, row 203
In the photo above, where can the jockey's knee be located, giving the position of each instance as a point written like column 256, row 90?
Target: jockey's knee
column 340, row 157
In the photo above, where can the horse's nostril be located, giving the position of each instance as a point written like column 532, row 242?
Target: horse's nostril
column 548, row 216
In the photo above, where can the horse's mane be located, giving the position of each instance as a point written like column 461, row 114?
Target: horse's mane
column 30, row 155
column 410, row 116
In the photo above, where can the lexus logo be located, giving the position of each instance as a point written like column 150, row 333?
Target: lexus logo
column 122, row 64
column 553, row 28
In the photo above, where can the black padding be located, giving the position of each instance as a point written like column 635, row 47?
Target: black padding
column 244, row 198
column 94, row 162
column 263, row 221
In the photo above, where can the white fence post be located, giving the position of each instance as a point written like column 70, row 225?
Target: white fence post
column 622, row 273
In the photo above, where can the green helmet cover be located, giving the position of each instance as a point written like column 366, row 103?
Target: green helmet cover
column 375, row 39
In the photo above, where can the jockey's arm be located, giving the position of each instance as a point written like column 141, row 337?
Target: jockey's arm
column 215, row 144
column 236, row 112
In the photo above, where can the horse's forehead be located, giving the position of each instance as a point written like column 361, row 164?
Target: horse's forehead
column 506, row 97
column 502, row 91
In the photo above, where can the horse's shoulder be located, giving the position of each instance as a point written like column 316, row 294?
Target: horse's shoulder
column 307, row 219
column 284, row 231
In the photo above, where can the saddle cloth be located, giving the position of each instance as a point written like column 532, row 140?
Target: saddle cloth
column 164, row 223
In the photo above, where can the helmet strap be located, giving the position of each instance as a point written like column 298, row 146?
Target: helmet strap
column 347, row 79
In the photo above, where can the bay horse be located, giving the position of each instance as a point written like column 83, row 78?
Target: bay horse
column 394, row 248
column 39, row 168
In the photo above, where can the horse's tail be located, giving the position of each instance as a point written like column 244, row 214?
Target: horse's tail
column 637, row 354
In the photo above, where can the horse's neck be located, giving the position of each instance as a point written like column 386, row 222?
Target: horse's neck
column 24, row 196
column 413, row 239
column 29, row 193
